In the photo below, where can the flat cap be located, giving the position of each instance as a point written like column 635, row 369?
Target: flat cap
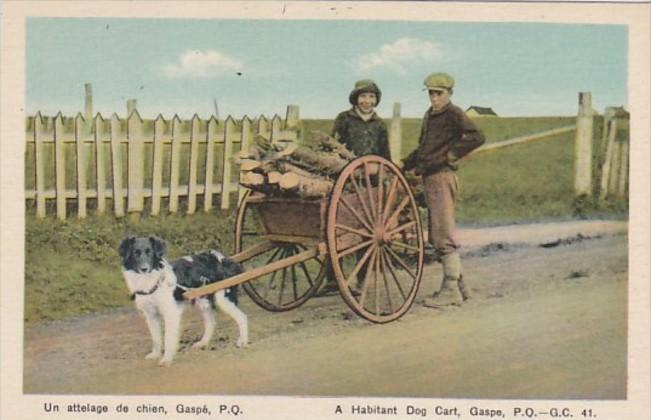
column 439, row 81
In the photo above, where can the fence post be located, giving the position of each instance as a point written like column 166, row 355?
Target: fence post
column 583, row 147
column 245, row 141
column 293, row 121
column 40, row 167
column 611, row 130
column 157, row 165
column 80, row 126
column 229, row 137
column 194, row 158
column 174, row 170
column 116, row 162
column 262, row 128
column 623, row 169
column 275, row 128
column 88, row 106
column 395, row 135
column 100, row 163
column 60, row 166
column 136, row 164
column 210, row 162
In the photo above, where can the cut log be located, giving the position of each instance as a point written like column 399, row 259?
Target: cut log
column 331, row 144
column 273, row 177
column 323, row 163
column 252, row 180
column 305, row 187
column 249, row 165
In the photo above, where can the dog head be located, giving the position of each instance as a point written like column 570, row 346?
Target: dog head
column 142, row 254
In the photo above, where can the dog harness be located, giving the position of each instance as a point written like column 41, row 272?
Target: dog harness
column 150, row 291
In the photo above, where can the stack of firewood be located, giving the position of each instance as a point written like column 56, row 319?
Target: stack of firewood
column 290, row 170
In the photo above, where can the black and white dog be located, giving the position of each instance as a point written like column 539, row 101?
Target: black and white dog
column 157, row 286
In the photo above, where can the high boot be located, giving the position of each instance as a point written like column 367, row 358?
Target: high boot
column 451, row 292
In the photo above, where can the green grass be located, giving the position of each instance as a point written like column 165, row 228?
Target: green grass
column 72, row 267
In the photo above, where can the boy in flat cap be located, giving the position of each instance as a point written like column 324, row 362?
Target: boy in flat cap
column 447, row 135
column 359, row 128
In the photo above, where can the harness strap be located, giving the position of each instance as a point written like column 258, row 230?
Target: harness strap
column 150, row 291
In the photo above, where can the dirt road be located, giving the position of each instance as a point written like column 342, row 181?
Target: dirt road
column 545, row 322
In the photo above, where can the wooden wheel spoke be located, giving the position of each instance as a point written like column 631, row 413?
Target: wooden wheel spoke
column 390, row 197
column 392, row 270
column 362, row 296
column 369, row 189
column 354, row 248
column 354, row 212
column 294, row 282
column 402, row 227
column 401, row 262
column 362, row 201
column 391, row 221
column 380, row 193
column 377, row 289
column 307, row 274
column 384, row 276
column 353, row 230
column 272, row 279
column 282, row 287
column 405, row 246
column 359, row 265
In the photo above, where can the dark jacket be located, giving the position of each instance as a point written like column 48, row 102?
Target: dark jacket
column 362, row 137
column 445, row 137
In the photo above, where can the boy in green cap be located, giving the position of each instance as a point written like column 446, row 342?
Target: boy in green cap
column 447, row 135
column 359, row 128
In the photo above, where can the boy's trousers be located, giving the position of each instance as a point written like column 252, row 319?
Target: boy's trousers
column 441, row 189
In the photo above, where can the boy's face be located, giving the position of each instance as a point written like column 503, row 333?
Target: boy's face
column 366, row 102
column 439, row 98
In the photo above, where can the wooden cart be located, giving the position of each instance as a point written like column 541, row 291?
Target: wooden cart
column 367, row 236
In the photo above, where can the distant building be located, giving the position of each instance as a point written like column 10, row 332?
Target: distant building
column 479, row 111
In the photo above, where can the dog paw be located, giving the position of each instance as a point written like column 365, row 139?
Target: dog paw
column 153, row 355
column 242, row 342
column 165, row 362
column 200, row 345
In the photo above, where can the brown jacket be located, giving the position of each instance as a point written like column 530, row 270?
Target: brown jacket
column 445, row 137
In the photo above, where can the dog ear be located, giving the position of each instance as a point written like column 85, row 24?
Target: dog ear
column 159, row 246
column 126, row 244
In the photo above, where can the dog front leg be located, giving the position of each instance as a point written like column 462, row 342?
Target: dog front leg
column 155, row 331
column 234, row 312
column 172, row 318
column 208, row 323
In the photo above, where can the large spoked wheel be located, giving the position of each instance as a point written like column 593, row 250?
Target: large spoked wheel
column 375, row 240
column 280, row 290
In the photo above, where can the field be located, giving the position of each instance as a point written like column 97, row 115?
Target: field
column 72, row 268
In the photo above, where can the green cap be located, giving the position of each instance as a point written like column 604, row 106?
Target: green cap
column 439, row 81
column 363, row 86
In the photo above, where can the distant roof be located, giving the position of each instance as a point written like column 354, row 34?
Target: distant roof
column 482, row 110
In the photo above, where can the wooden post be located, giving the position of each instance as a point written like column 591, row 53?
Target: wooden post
column 100, row 164
column 245, row 141
column 275, row 128
column 611, row 130
column 623, row 169
column 229, row 137
column 40, row 165
column 88, row 102
column 609, row 113
column 174, row 170
column 131, row 106
column 116, row 163
column 615, row 164
column 210, row 163
column 80, row 125
column 194, row 159
column 583, row 147
column 395, row 134
column 60, row 166
column 293, row 121
column 262, row 128
column 136, row 162
column 157, row 165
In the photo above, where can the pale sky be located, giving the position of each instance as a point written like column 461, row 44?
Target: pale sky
column 258, row 67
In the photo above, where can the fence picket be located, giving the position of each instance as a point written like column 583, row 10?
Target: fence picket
column 194, row 158
column 100, row 163
column 210, row 161
column 116, row 163
column 245, row 141
column 60, row 167
column 262, row 128
column 157, row 165
column 611, row 130
column 136, row 164
column 80, row 128
column 174, row 162
column 623, row 170
column 229, row 137
column 40, row 165
column 275, row 129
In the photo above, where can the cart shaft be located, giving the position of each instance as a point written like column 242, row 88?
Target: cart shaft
column 256, row 272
